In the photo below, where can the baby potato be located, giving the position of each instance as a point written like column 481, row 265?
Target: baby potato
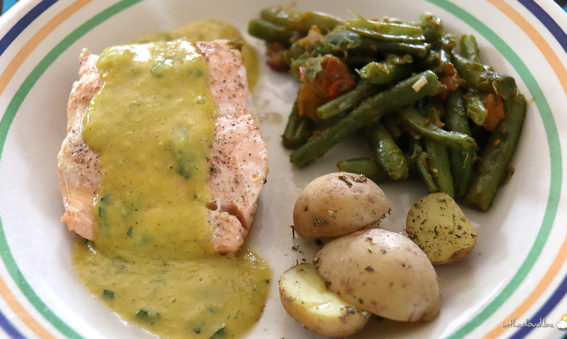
column 381, row 272
column 338, row 203
column 440, row 228
column 307, row 300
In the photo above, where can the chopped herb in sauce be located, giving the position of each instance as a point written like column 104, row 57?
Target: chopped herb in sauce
column 219, row 333
column 146, row 316
column 142, row 314
column 108, row 294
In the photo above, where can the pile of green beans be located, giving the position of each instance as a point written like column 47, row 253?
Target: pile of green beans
column 419, row 101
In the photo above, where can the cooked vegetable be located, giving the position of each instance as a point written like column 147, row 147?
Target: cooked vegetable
column 422, row 125
column 421, row 159
column 432, row 28
column 323, row 79
column 348, row 41
column 483, row 78
column 388, row 31
column 346, row 102
column 306, row 298
column 368, row 112
column 392, row 69
column 389, row 155
column 438, row 155
column 476, row 110
column 496, row 157
column 440, row 228
column 495, row 111
column 338, row 203
column 461, row 161
column 439, row 166
column 269, row 32
column 367, row 166
column 382, row 272
column 297, row 130
column 377, row 53
column 469, row 47
column 299, row 21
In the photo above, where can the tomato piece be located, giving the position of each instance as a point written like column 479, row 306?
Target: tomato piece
column 331, row 80
column 451, row 79
column 495, row 108
column 308, row 101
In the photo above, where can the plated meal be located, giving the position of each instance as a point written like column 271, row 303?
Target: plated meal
column 298, row 170
column 163, row 164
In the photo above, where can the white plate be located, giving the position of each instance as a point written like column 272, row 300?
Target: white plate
column 517, row 271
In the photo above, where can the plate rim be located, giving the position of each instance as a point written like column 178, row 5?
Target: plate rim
column 544, row 229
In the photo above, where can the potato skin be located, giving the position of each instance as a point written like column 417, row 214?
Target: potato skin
column 440, row 228
column 382, row 272
column 338, row 203
column 303, row 292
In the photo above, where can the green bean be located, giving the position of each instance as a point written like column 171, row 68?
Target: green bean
column 434, row 111
column 368, row 166
column 496, row 157
column 280, row 16
column 298, row 129
column 476, row 110
column 413, row 119
column 438, row 61
column 483, row 78
column 381, row 73
column 358, row 61
column 439, row 166
column 346, row 40
column 449, row 42
column 418, row 49
column 269, row 32
column 323, row 21
column 469, row 47
column 461, row 161
column 347, row 101
column 301, row 21
column 369, row 111
column 392, row 124
column 421, row 159
column 388, row 31
column 439, row 163
column 432, row 28
column 389, row 155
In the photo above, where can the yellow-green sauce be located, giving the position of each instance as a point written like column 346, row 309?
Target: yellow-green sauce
column 207, row 30
column 152, row 260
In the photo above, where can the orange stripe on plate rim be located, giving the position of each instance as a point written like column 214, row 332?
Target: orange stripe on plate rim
column 36, row 39
column 561, row 73
column 5, row 78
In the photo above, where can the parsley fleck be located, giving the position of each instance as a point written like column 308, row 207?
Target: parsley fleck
column 108, row 294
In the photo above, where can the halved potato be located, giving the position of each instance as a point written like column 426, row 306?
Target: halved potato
column 306, row 298
column 381, row 272
column 440, row 228
column 338, row 203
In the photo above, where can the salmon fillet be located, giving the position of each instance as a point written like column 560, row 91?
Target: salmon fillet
column 238, row 161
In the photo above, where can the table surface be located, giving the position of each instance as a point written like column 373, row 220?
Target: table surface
column 6, row 4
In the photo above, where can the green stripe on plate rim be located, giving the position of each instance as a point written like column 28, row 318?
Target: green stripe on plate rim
column 555, row 156
column 5, row 124
column 495, row 40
